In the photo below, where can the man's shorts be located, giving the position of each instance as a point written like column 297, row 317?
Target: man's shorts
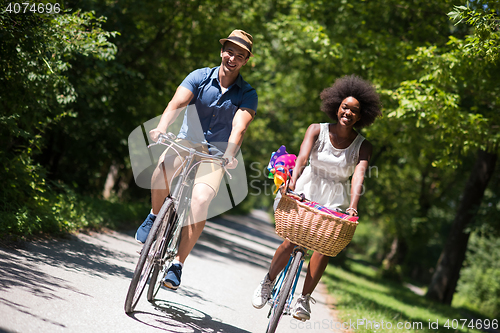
column 208, row 172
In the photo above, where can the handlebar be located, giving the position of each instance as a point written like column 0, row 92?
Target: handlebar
column 303, row 197
column 169, row 139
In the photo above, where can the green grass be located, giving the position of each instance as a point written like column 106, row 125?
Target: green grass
column 384, row 304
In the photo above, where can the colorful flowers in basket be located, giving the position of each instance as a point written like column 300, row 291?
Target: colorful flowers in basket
column 281, row 166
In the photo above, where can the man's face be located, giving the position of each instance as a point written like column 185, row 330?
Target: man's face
column 233, row 57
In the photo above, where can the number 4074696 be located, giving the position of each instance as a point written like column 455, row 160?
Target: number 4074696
column 472, row 324
column 35, row 8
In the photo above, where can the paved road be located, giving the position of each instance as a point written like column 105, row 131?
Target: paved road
column 79, row 285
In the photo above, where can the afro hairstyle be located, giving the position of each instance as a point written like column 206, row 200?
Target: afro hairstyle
column 352, row 86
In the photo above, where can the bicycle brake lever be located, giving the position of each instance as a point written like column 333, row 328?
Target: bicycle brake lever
column 170, row 136
column 225, row 161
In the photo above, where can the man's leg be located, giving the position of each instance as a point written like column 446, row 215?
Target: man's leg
column 159, row 188
column 201, row 198
column 164, row 171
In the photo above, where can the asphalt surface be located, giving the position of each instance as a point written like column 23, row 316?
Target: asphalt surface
column 79, row 285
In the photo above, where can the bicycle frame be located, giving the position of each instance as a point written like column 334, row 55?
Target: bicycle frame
column 188, row 165
column 183, row 181
column 161, row 245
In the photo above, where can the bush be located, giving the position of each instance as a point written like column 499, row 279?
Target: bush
column 479, row 284
column 31, row 206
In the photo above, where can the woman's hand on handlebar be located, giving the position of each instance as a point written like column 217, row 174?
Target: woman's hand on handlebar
column 291, row 186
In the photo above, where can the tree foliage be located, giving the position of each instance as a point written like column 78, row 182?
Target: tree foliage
column 456, row 96
column 73, row 86
column 477, row 284
column 37, row 94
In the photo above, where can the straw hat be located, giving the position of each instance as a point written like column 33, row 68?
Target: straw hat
column 240, row 38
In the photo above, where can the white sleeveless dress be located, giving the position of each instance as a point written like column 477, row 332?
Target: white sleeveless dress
column 325, row 179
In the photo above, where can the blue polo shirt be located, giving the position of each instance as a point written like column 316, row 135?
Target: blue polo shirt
column 210, row 113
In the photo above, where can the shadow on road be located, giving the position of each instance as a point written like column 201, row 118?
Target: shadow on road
column 216, row 243
column 241, row 239
column 20, row 268
column 178, row 318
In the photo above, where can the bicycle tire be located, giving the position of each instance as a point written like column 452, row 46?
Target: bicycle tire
column 284, row 293
column 169, row 218
column 146, row 261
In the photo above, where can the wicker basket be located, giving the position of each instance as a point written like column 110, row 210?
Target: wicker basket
column 311, row 228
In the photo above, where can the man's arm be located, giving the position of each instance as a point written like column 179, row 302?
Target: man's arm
column 181, row 99
column 242, row 118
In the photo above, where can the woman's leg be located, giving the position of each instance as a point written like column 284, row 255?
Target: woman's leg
column 317, row 266
column 280, row 259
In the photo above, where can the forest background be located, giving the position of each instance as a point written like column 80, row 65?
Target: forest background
column 73, row 85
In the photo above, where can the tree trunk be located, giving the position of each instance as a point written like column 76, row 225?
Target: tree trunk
column 445, row 278
column 396, row 255
column 110, row 180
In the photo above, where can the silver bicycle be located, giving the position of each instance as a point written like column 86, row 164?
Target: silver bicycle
column 162, row 243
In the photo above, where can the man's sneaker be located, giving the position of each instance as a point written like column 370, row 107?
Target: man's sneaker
column 302, row 309
column 262, row 293
column 173, row 278
column 142, row 233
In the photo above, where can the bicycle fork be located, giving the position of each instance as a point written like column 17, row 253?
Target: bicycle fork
column 279, row 282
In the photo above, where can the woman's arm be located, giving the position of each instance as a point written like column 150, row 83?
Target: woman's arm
column 365, row 153
column 310, row 138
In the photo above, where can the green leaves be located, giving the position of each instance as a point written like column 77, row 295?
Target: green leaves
column 37, row 51
column 485, row 38
column 455, row 96
column 81, row 33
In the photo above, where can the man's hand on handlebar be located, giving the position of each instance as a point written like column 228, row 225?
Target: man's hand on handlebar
column 155, row 133
column 231, row 162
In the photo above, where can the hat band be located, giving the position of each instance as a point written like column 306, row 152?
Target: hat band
column 240, row 40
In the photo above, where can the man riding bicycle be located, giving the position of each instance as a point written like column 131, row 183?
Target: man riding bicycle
column 223, row 105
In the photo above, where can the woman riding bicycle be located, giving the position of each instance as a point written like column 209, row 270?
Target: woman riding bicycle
column 335, row 152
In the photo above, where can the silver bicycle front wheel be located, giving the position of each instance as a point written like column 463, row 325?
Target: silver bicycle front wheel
column 167, row 251
column 149, row 255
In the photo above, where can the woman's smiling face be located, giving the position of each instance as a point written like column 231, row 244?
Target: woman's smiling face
column 349, row 112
